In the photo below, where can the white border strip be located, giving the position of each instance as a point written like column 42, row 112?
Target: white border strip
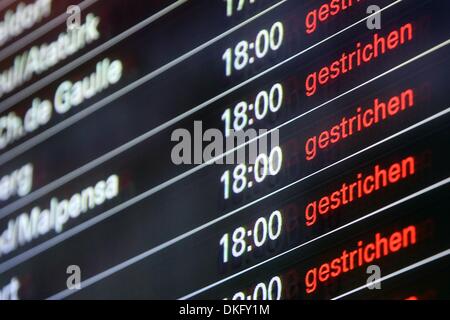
column 416, row 265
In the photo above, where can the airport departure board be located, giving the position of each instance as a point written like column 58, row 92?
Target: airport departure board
column 224, row 149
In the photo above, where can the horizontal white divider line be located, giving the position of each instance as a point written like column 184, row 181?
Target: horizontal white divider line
column 374, row 213
column 10, row 263
column 108, row 156
column 30, row 143
column 29, row 38
column 32, row 88
column 209, row 224
column 112, row 42
column 397, row 273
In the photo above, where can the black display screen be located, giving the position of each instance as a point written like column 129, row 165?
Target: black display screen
column 224, row 149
